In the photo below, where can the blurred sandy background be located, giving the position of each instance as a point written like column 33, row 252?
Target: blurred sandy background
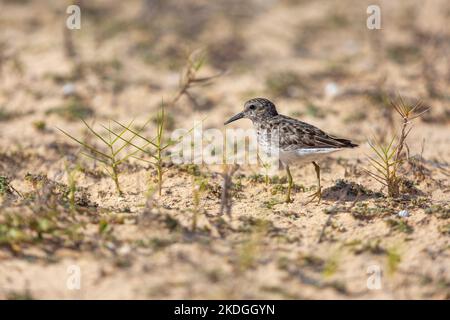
column 315, row 59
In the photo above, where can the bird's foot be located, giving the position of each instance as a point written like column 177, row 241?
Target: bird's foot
column 289, row 199
column 316, row 195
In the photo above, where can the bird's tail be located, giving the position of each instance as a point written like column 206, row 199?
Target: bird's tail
column 347, row 143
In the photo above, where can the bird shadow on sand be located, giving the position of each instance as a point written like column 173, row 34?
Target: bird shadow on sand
column 344, row 190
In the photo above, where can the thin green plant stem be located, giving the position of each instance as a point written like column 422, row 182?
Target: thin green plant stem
column 109, row 157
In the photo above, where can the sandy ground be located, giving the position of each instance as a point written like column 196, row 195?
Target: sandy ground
column 316, row 60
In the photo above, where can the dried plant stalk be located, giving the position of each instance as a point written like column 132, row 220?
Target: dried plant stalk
column 226, row 200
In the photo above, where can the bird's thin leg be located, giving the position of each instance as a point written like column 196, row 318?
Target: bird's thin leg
column 318, row 193
column 317, row 168
column 289, row 176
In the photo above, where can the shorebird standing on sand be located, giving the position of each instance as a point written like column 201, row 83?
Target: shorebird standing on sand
column 297, row 142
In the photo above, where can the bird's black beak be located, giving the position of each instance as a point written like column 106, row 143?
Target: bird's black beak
column 238, row 116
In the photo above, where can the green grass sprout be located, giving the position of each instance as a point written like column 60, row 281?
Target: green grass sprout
column 112, row 154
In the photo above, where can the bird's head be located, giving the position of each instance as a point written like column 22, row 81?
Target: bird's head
column 255, row 110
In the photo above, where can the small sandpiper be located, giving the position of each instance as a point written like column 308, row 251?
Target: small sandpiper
column 294, row 141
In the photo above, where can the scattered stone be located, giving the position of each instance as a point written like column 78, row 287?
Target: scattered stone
column 331, row 90
column 69, row 89
column 403, row 213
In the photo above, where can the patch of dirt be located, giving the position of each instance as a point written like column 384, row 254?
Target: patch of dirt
column 316, row 60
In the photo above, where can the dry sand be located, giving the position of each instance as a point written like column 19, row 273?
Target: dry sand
column 266, row 249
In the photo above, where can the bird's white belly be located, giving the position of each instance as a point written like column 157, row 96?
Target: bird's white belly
column 295, row 156
column 301, row 156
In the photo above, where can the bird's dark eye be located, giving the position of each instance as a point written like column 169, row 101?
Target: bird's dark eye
column 252, row 107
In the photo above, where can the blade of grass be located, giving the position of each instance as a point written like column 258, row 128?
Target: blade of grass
column 122, row 132
column 137, row 134
column 94, row 158
column 91, row 148
column 135, row 146
column 95, row 133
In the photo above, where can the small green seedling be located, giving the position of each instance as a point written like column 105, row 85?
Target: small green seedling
column 157, row 145
column 113, row 154
column 384, row 166
column 388, row 158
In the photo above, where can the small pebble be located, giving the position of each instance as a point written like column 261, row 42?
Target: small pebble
column 68, row 89
column 331, row 89
column 403, row 213
column 124, row 250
